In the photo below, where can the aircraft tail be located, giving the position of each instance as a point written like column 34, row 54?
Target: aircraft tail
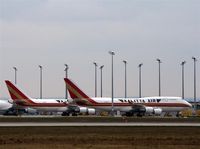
column 74, row 90
column 16, row 94
column 77, row 94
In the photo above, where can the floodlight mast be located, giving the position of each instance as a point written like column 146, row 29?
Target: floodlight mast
column 140, row 80
column 112, row 53
column 159, row 78
column 66, row 76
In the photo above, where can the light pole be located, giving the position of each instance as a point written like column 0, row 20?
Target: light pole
column 125, row 80
column 15, row 69
column 140, row 80
column 112, row 54
column 159, row 61
column 95, row 65
column 101, row 68
column 40, row 81
column 195, row 104
column 66, row 75
column 182, row 64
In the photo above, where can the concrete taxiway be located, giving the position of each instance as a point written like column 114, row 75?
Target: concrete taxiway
column 76, row 124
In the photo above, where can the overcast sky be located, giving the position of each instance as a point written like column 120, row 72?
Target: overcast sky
column 78, row 32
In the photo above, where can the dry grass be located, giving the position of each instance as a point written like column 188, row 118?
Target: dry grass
column 100, row 137
column 98, row 119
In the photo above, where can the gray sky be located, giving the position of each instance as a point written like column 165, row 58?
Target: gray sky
column 78, row 32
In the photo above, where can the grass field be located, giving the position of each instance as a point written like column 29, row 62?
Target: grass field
column 100, row 137
column 96, row 119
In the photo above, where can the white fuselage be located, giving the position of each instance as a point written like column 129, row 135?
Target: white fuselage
column 167, row 104
column 47, row 105
column 4, row 106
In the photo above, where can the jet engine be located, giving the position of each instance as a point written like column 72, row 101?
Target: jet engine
column 83, row 109
column 149, row 109
column 86, row 110
column 30, row 111
column 157, row 111
column 140, row 111
column 91, row 111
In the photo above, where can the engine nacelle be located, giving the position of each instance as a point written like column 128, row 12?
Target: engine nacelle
column 157, row 111
column 83, row 109
column 149, row 110
column 31, row 111
column 91, row 111
column 86, row 110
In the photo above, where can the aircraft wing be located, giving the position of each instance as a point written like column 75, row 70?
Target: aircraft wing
column 138, row 108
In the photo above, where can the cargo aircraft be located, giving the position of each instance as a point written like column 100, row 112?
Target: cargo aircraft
column 129, row 106
column 45, row 105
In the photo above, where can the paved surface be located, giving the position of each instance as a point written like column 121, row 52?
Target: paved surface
column 136, row 124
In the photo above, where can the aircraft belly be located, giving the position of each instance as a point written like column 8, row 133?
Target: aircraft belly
column 172, row 109
column 51, row 109
column 116, row 108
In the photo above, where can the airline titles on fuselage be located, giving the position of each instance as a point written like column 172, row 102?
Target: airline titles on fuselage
column 140, row 100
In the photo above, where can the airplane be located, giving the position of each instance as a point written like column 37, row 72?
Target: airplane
column 45, row 105
column 130, row 106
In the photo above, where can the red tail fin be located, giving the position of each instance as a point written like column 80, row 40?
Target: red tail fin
column 74, row 91
column 16, row 94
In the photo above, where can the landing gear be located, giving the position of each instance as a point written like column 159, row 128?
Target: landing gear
column 140, row 114
column 178, row 114
column 65, row 114
column 74, row 114
column 69, row 114
column 129, row 114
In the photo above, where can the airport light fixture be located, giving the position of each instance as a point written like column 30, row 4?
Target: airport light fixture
column 95, row 65
column 66, row 76
column 15, row 69
column 112, row 87
column 40, row 81
column 159, row 62
column 195, row 104
column 183, row 80
column 125, row 79
column 101, row 69
column 140, row 80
